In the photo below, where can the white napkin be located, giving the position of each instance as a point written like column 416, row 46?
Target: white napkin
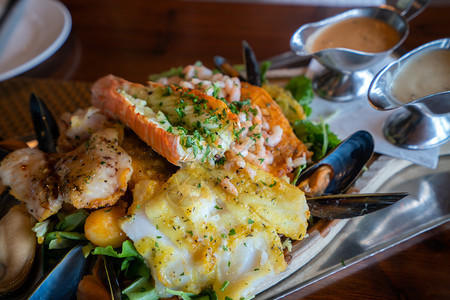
column 346, row 118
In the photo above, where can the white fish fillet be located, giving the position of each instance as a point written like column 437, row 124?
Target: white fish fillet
column 195, row 235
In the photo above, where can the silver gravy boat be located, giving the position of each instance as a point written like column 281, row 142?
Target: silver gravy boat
column 420, row 124
column 346, row 75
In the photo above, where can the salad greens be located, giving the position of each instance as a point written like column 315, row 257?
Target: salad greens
column 317, row 137
column 128, row 262
column 62, row 232
column 59, row 234
column 302, row 91
column 140, row 289
column 205, row 295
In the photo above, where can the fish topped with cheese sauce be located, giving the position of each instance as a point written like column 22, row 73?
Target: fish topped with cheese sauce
column 195, row 234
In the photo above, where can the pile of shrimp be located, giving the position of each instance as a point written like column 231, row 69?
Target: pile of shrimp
column 262, row 123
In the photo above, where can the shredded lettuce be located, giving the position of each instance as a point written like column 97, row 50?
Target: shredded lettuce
column 68, row 231
column 297, row 173
column 63, row 239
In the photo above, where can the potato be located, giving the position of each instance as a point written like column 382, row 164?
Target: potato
column 102, row 228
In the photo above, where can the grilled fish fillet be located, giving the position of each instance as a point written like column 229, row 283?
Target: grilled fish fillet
column 93, row 175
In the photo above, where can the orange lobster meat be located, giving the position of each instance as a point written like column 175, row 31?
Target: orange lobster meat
column 180, row 124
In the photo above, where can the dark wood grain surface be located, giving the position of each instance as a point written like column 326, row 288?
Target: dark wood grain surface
column 133, row 39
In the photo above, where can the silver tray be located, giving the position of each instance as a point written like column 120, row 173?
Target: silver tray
column 425, row 208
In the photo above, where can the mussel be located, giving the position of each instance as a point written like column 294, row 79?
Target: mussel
column 252, row 70
column 17, row 248
column 335, row 172
column 17, row 240
column 44, row 123
column 325, row 182
column 56, row 281
column 251, row 65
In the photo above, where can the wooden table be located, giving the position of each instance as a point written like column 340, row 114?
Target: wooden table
column 133, row 39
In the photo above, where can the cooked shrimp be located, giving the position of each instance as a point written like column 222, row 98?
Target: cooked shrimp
column 229, row 187
column 279, row 146
column 180, row 124
column 273, row 139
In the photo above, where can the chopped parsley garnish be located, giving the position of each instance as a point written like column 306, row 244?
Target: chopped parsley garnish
column 168, row 91
column 224, row 285
column 180, row 112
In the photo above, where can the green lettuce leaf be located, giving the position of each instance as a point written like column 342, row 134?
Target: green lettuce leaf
column 72, row 222
column 317, row 137
column 141, row 289
column 128, row 260
column 302, row 90
column 128, row 250
column 63, row 239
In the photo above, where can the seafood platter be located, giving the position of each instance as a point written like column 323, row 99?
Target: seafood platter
column 199, row 184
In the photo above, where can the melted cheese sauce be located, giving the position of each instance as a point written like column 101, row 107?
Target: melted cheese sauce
column 362, row 33
column 427, row 74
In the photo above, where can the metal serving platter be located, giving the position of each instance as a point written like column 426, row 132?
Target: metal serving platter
column 425, row 208
column 365, row 236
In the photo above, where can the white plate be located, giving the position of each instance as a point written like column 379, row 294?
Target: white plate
column 43, row 28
